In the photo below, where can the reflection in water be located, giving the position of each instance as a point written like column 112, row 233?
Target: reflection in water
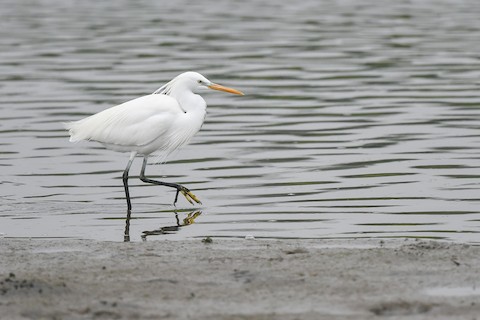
column 188, row 220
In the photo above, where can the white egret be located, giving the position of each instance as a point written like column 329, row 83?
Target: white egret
column 159, row 122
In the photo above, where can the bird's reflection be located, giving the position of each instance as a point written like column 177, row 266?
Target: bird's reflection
column 188, row 220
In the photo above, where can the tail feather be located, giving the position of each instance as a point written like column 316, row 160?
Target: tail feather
column 70, row 126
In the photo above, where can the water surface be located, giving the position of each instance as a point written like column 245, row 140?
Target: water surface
column 359, row 120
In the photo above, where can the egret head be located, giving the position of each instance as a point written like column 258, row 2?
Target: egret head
column 194, row 82
column 201, row 82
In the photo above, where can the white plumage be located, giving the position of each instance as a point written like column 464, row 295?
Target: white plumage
column 160, row 122
column 147, row 124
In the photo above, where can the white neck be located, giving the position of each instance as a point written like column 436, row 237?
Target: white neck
column 189, row 101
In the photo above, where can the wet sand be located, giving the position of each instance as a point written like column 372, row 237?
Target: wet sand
column 239, row 279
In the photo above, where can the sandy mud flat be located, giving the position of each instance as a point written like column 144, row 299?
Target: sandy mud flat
column 239, row 279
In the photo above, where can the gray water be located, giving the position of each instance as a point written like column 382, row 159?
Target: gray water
column 360, row 119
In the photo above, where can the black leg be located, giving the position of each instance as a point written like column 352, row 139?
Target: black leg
column 187, row 194
column 126, row 234
column 125, row 181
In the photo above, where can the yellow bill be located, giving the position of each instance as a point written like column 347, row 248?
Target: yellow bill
column 215, row 86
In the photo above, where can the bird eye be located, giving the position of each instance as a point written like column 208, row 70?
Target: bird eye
column 199, row 81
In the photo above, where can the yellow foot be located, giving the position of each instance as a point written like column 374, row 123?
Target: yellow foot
column 189, row 196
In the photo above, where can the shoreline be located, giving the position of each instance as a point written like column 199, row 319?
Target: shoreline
column 239, row 279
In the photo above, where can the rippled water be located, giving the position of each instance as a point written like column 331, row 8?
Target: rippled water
column 359, row 120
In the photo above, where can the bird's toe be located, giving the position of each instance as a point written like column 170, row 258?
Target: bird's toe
column 190, row 196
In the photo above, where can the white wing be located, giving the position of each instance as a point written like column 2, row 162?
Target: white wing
column 134, row 123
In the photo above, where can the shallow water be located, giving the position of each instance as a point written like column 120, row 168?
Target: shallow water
column 359, row 120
